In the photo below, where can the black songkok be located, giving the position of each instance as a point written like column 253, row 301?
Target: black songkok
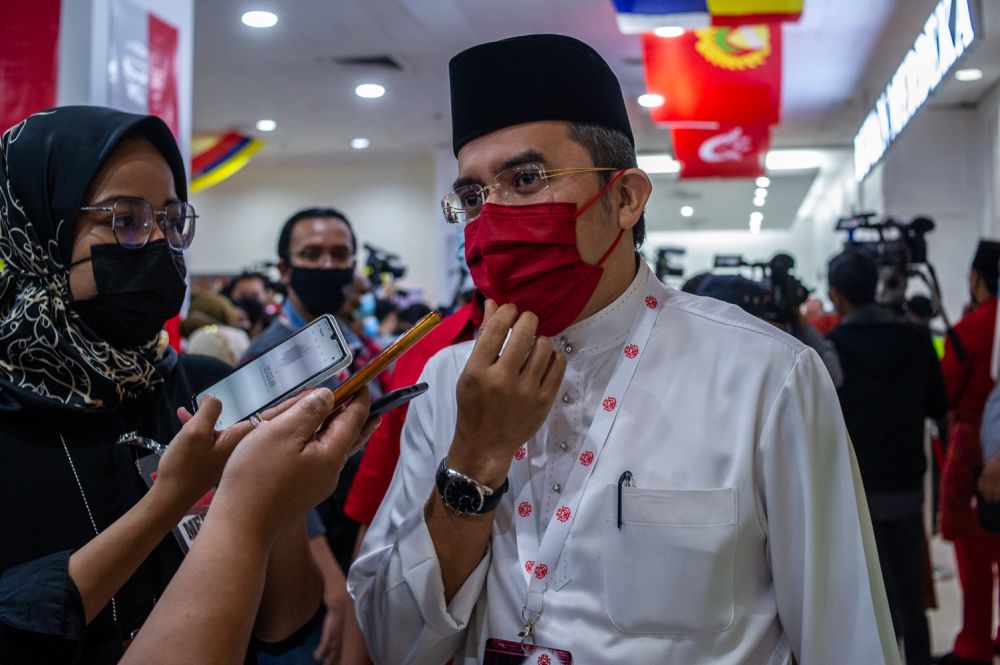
column 529, row 79
column 986, row 260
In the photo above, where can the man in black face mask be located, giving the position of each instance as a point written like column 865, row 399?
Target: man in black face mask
column 316, row 257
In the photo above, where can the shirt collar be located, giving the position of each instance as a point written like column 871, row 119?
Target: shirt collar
column 609, row 326
column 295, row 319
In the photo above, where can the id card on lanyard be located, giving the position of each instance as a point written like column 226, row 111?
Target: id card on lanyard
column 539, row 559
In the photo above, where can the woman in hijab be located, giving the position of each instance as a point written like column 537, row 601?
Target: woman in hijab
column 93, row 218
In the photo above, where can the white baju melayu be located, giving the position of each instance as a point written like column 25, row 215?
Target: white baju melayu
column 745, row 538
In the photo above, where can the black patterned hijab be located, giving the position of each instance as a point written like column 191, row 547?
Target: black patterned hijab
column 47, row 162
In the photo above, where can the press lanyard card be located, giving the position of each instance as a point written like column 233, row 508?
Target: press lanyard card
column 505, row 652
column 190, row 524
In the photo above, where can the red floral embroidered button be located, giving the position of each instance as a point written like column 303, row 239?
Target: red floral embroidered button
column 586, row 458
column 544, row 659
column 609, row 403
column 631, row 351
column 521, row 452
column 563, row 513
column 541, row 570
column 528, row 565
column 651, row 302
column 524, row 509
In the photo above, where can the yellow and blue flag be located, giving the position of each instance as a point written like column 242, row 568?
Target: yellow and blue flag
column 637, row 16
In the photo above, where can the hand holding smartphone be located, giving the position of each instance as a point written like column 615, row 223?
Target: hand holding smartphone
column 306, row 359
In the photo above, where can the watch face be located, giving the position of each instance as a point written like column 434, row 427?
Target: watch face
column 463, row 497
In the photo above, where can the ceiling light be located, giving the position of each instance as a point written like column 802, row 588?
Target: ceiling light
column 759, row 202
column 763, row 181
column 266, row 125
column 760, row 193
column 754, row 227
column 687, row 211
column 651, row 100
column 794, row 160
column 969, row 74
column 360, row 143
column 658, row 163
column 369, row 90
column 669, row 31
column 756, row 217
column 259, row 19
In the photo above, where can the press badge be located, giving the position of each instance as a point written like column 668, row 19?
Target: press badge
column 190, row 524
column 505, row 652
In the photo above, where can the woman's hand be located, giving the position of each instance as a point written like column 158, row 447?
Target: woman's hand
column 195, row 458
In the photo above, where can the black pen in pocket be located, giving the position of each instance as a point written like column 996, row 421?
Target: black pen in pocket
column 624, row 480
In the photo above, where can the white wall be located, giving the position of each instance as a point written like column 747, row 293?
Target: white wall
column 84, row 26
column 392, row 205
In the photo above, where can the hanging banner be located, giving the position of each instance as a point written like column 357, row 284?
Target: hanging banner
column 736, row 151
column 29, row 59
column 143, row 64
column 638, row 16
column 723, row 75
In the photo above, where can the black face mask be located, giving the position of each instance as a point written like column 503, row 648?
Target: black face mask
column 138, row 290
column 322, row 290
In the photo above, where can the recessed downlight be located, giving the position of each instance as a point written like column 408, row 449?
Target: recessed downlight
column 259, row 19
column 369, row 90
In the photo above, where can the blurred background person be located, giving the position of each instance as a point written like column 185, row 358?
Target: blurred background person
column 969, row 382
column 213, row 328
column 892, row 384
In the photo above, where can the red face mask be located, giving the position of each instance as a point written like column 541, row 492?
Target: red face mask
column 527, row 255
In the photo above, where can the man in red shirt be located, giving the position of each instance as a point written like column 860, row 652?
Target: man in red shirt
column 968, row 383
column 379, row 461
column 382, row 452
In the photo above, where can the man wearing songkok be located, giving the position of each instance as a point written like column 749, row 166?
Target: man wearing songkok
column 613, row 471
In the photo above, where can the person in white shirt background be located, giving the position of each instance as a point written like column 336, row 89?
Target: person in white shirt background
column 636, row 475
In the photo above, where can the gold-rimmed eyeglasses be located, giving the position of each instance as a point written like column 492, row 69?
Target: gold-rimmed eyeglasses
column 519, row 185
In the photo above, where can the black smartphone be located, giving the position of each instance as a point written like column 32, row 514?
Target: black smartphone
column 391, row 400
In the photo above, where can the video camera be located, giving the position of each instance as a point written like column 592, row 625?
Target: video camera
column 899, row 250
column 382, row 266
column 779, row 292
column 665, row 266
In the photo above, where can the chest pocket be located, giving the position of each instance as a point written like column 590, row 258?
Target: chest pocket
column 670, row 568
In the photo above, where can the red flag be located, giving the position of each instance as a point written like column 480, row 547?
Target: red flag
column 29, row 59
column 718, row 74
column 161, row 96
column 734, row 151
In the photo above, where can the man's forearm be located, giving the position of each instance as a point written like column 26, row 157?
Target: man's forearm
column 293, row 589
column 459, row 540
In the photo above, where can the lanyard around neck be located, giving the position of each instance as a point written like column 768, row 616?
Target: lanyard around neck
column 538, row 560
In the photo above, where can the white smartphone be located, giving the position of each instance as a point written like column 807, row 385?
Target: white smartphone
column 304, row 360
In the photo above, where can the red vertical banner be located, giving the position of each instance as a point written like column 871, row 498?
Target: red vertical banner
column 718, row 74
column 29, row 59
column 162, row 91
column 731, row 151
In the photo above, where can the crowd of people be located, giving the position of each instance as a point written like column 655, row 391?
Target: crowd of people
column 602, row 470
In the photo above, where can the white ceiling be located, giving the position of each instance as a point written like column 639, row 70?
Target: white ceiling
column 836, row 61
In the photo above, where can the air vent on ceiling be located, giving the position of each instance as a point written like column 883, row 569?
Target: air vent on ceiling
column 372, row 61
column 634, row 62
